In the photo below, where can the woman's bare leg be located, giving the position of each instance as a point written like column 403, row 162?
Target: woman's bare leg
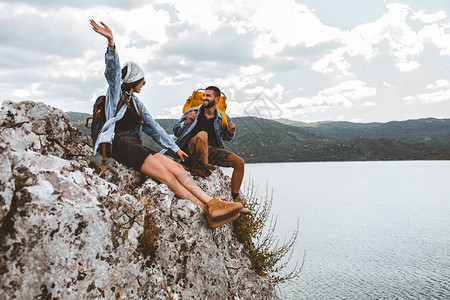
column 154, row 168
column 219, row 210
column 182, row 176
column 172, row 174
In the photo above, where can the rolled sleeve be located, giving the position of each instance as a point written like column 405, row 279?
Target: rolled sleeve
column 113, row 77
column 179, row 127
column 226, row 135
column 153, row 129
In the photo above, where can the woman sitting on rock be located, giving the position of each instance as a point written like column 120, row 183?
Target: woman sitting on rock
column 123, row 129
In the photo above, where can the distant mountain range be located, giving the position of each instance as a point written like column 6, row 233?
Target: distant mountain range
column 264, row 140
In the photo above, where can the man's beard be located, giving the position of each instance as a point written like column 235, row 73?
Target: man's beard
column 210, row 104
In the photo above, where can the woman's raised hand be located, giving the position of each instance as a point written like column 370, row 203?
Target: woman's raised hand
column 105, row 31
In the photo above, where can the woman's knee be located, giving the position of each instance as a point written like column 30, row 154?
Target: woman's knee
column 154, row 169
column 179, row 168
column 169, row 165
column 164, row 176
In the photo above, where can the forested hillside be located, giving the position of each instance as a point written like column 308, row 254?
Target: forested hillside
column 263, row 140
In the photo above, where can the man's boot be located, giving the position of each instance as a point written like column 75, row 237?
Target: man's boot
column 244, row 211
column 196, row 166
column 210, row 166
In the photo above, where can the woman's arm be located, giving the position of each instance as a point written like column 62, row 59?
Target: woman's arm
column 153, row 129
column 112, row 70
column 105, row 31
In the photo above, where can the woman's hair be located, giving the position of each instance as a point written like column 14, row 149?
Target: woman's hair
column 126, row 87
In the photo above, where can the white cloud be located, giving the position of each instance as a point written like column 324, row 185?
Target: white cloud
column 369, row 103
column 403, row 43
column 406, row 66
column 29, row 92
column 333, row 62
column 236, row 81
column 339, row 95
column 61, row 50
column 174, row 112
column 438, row 84
column 388, row 85
column 282, row 49
column 146, row 25
column 438, row 96
column 208, row 15
column 320, row 101
column 275, row 93
column 409, row 99
column 251, row 70
column 266, row 103
column 272, row 21
column 275, row 21
column 174, row 80
column 351, row 89
column 429, row 18
column 441, row 93
column 437, row 35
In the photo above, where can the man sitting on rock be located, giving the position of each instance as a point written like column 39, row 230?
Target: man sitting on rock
column 199, row 132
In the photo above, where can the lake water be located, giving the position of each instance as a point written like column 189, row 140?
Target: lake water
column 371, row 230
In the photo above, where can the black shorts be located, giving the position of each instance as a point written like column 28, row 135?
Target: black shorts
column 127, row 149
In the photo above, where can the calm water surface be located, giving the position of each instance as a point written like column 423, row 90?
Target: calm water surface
column 371, row 230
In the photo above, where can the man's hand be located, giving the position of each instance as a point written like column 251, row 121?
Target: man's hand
column 231, row 127
column 182, row 155
column 190, row 117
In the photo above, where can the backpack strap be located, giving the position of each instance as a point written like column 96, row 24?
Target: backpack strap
column 224, row 120
column 103, row 145
column 142, row 115
column 122, row 101
column 86, row 122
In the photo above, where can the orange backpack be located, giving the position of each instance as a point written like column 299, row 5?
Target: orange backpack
column 196, row 99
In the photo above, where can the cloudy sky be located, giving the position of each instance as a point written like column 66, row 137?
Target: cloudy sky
column 305, row 60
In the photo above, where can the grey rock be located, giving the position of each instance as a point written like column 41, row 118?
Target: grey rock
column 66, row 233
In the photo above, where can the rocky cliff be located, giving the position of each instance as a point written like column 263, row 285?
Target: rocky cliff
column 68, row 234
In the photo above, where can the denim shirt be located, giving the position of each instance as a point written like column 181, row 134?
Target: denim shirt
column 182, row 131
column 113, row 75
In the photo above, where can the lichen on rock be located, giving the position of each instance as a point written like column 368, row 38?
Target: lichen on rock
column 66, row 233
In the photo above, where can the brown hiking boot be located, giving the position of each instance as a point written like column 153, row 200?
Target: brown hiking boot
column 196, row 166
column 220, row 210
column 244, row 211
column 214, row 224
column 210, row 166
